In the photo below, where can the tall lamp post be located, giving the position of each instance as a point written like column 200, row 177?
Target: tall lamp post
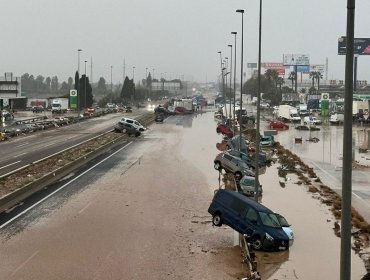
column 241, row 82
column 78, row 85
column 133, row 81
column 85, row 84
column 231, row 71
column 345, row 248
column 256, row 182
column 78, row 62
column 234, row 33
column 111, row 78
column 223, row 81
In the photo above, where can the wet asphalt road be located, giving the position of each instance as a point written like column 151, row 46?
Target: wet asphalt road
column 22, row 150
column 142, row 213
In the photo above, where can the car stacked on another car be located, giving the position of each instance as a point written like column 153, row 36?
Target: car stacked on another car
column 225, row 130
column 232, row 165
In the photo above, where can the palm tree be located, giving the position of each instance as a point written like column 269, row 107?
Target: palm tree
column 318, row 77
column 292, row 77
column 313, row 77
column 279, row 82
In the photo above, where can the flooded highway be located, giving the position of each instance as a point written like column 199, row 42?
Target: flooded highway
column 142, row 212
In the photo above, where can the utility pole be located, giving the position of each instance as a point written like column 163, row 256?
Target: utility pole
column 91, row 71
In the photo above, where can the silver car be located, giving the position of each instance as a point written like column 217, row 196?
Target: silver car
column 233, row 165
column 247, row 186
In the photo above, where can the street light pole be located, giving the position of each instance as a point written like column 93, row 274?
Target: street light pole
column 345, row 248
column 223, row 82
column 234, row 33
column 78, row 63
column 85, row 84
column 241, row 82
column 256, row 181
column 111, row 78
column 231, row 71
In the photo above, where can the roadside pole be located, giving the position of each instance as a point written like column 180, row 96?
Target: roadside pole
column 345, row 250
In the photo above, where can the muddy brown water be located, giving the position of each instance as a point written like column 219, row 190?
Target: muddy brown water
column 316, row 250
column 109, row 231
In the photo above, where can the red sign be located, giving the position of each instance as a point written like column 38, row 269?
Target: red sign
column 278, row 67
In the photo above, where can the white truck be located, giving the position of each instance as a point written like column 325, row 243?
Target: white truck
column 59, row 105
column 360, row 107
column 288, row 113
column 303, row 110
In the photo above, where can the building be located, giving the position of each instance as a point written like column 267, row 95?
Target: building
column 10, row 90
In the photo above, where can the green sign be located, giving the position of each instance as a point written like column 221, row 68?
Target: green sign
column 73, row 99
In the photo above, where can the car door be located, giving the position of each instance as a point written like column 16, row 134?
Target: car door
column 249, row 223
column 227, row 162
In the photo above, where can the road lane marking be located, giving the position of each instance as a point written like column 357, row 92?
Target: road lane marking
column 21, row 145
column 19, row 155
column 24, row 263
column 335, row 179
column 62, row 187
column 83, row 209
column 10, row 164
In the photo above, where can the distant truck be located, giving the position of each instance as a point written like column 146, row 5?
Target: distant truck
column 303, row 110
column 59, row 105
column 360, row 107
column 313, row 105
column 288, row 113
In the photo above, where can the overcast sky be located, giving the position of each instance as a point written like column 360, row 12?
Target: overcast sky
column 173, row 37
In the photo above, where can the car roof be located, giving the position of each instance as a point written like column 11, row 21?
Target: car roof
column 257, row 206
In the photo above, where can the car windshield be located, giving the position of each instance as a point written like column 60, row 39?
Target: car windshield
column 269, row 219
column 283, row 222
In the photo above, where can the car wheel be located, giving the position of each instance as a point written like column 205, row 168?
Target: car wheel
column 238, row 175
column 217, row 220
column 137, row 134
column 257, row 243
column 217, row 130
column 217, row 166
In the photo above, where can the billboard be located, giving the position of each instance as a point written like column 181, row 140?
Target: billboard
column 317, row 68
column 277, row 66
column 296, row 59
column 361, row 46
column 303, row 69
column 251, row 65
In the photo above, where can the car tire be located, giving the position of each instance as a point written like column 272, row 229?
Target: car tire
column 257, row 243
column 137, row 134
column 238, row 175
column 217, row 220
column 217, row 130
column 217, row 166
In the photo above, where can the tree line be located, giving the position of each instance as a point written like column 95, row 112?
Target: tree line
column 272, row 86
column 128, row 93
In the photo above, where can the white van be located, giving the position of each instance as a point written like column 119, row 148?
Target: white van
column 133, row 122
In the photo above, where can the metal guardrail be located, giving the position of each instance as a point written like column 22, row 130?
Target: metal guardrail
column 13, row 198
column 53, row 155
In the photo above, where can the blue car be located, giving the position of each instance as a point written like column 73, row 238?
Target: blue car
column 248, row 217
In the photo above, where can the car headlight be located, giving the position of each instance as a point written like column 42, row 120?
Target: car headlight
column 269, row 237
